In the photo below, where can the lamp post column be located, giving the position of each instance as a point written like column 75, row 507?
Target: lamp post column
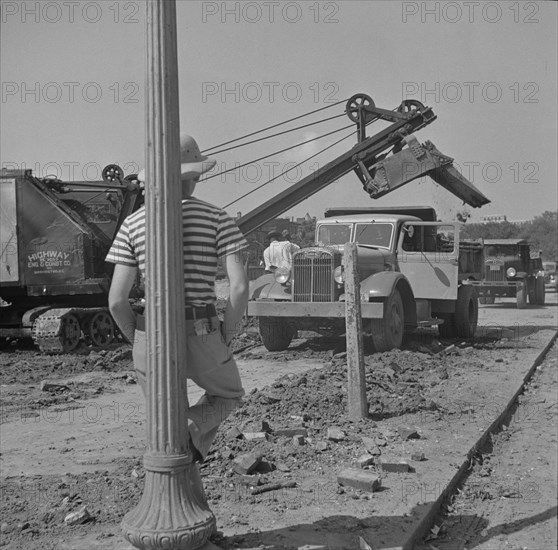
column 173, row 511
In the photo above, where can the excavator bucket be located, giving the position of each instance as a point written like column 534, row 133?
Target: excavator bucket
column 413, row 162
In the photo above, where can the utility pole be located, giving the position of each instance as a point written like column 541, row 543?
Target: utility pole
column 356, row 395
column 173, row 511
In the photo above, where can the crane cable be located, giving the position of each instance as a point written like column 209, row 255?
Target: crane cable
column 273, row 126
column 276, row 153
column 288, row 170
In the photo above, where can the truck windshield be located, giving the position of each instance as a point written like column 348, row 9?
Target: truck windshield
column 337, row 233
column 374, row 234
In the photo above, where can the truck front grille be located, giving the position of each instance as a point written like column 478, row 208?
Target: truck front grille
column 313, row 276
column 494, row 273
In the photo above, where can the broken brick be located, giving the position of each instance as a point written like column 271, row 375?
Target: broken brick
column 246, row 463
column 233, row 433
column 370, row 446
column 359, row 479
column 298, row 440
column 363, row 461
column 255, row 436
column 418, row 457
column 335, row 434
column 394, row 466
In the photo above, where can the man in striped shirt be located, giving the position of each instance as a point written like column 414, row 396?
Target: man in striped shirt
column 209, row 234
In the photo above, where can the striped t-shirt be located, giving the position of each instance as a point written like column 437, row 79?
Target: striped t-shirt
column 208, row 234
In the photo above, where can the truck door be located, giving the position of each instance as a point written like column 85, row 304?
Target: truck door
column 428, row 254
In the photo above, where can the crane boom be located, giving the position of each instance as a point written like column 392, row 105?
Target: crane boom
column 409, row 117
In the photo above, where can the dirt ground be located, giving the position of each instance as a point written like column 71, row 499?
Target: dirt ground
column 508, row 500
column 81, row 442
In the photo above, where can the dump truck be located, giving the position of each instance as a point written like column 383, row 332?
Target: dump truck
column 511, row 270
column 413, row 272
column 54, row 237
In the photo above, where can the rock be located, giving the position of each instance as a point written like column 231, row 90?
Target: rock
column 298, row 440
column 50, row 386
column 246, row 463
column 335, row 434
column 359, row 479
column 321, row 446
column 4, row 528
column 406, row 433
column 77, row 517
column 418, row 457
column 370, row 446
column 233, row 433
column 363, row 461
column 380, row 442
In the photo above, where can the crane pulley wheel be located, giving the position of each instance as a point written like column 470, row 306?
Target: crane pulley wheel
column 112, row 173
column 408, row 105
column 360, row 103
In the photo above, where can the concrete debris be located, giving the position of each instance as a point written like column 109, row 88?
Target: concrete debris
column 77, row 517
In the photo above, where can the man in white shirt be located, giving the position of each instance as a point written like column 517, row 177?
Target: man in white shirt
column 279, row 253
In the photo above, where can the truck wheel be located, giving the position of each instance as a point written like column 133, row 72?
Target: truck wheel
column 521, row 296
column 540, row 291
column 387, row 333
column 466, row 314
column 531, row 290
column 276, row 333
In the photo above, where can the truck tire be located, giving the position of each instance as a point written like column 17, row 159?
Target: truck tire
column 462, row 323
column 540, row 292
column 466, row 314
column 531, row 290
column 387, row 333
column 521, row 295
column 276, row 332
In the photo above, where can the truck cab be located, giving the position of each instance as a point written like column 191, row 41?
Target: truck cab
column 410, row 267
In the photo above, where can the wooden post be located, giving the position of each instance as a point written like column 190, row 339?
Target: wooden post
column 173, row 511
column 358, row 406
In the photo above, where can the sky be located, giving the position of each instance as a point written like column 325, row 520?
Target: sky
column 72, row 75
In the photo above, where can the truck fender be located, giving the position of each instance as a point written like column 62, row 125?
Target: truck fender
column 267, row 288
column 381, row 285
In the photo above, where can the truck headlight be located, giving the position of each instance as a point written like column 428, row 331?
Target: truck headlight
column 282, row 275
column 339, row 275
column 511, row 272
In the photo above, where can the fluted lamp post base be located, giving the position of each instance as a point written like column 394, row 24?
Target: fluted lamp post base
column 172, row 513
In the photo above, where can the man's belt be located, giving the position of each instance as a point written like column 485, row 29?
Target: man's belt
column 192, row 313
